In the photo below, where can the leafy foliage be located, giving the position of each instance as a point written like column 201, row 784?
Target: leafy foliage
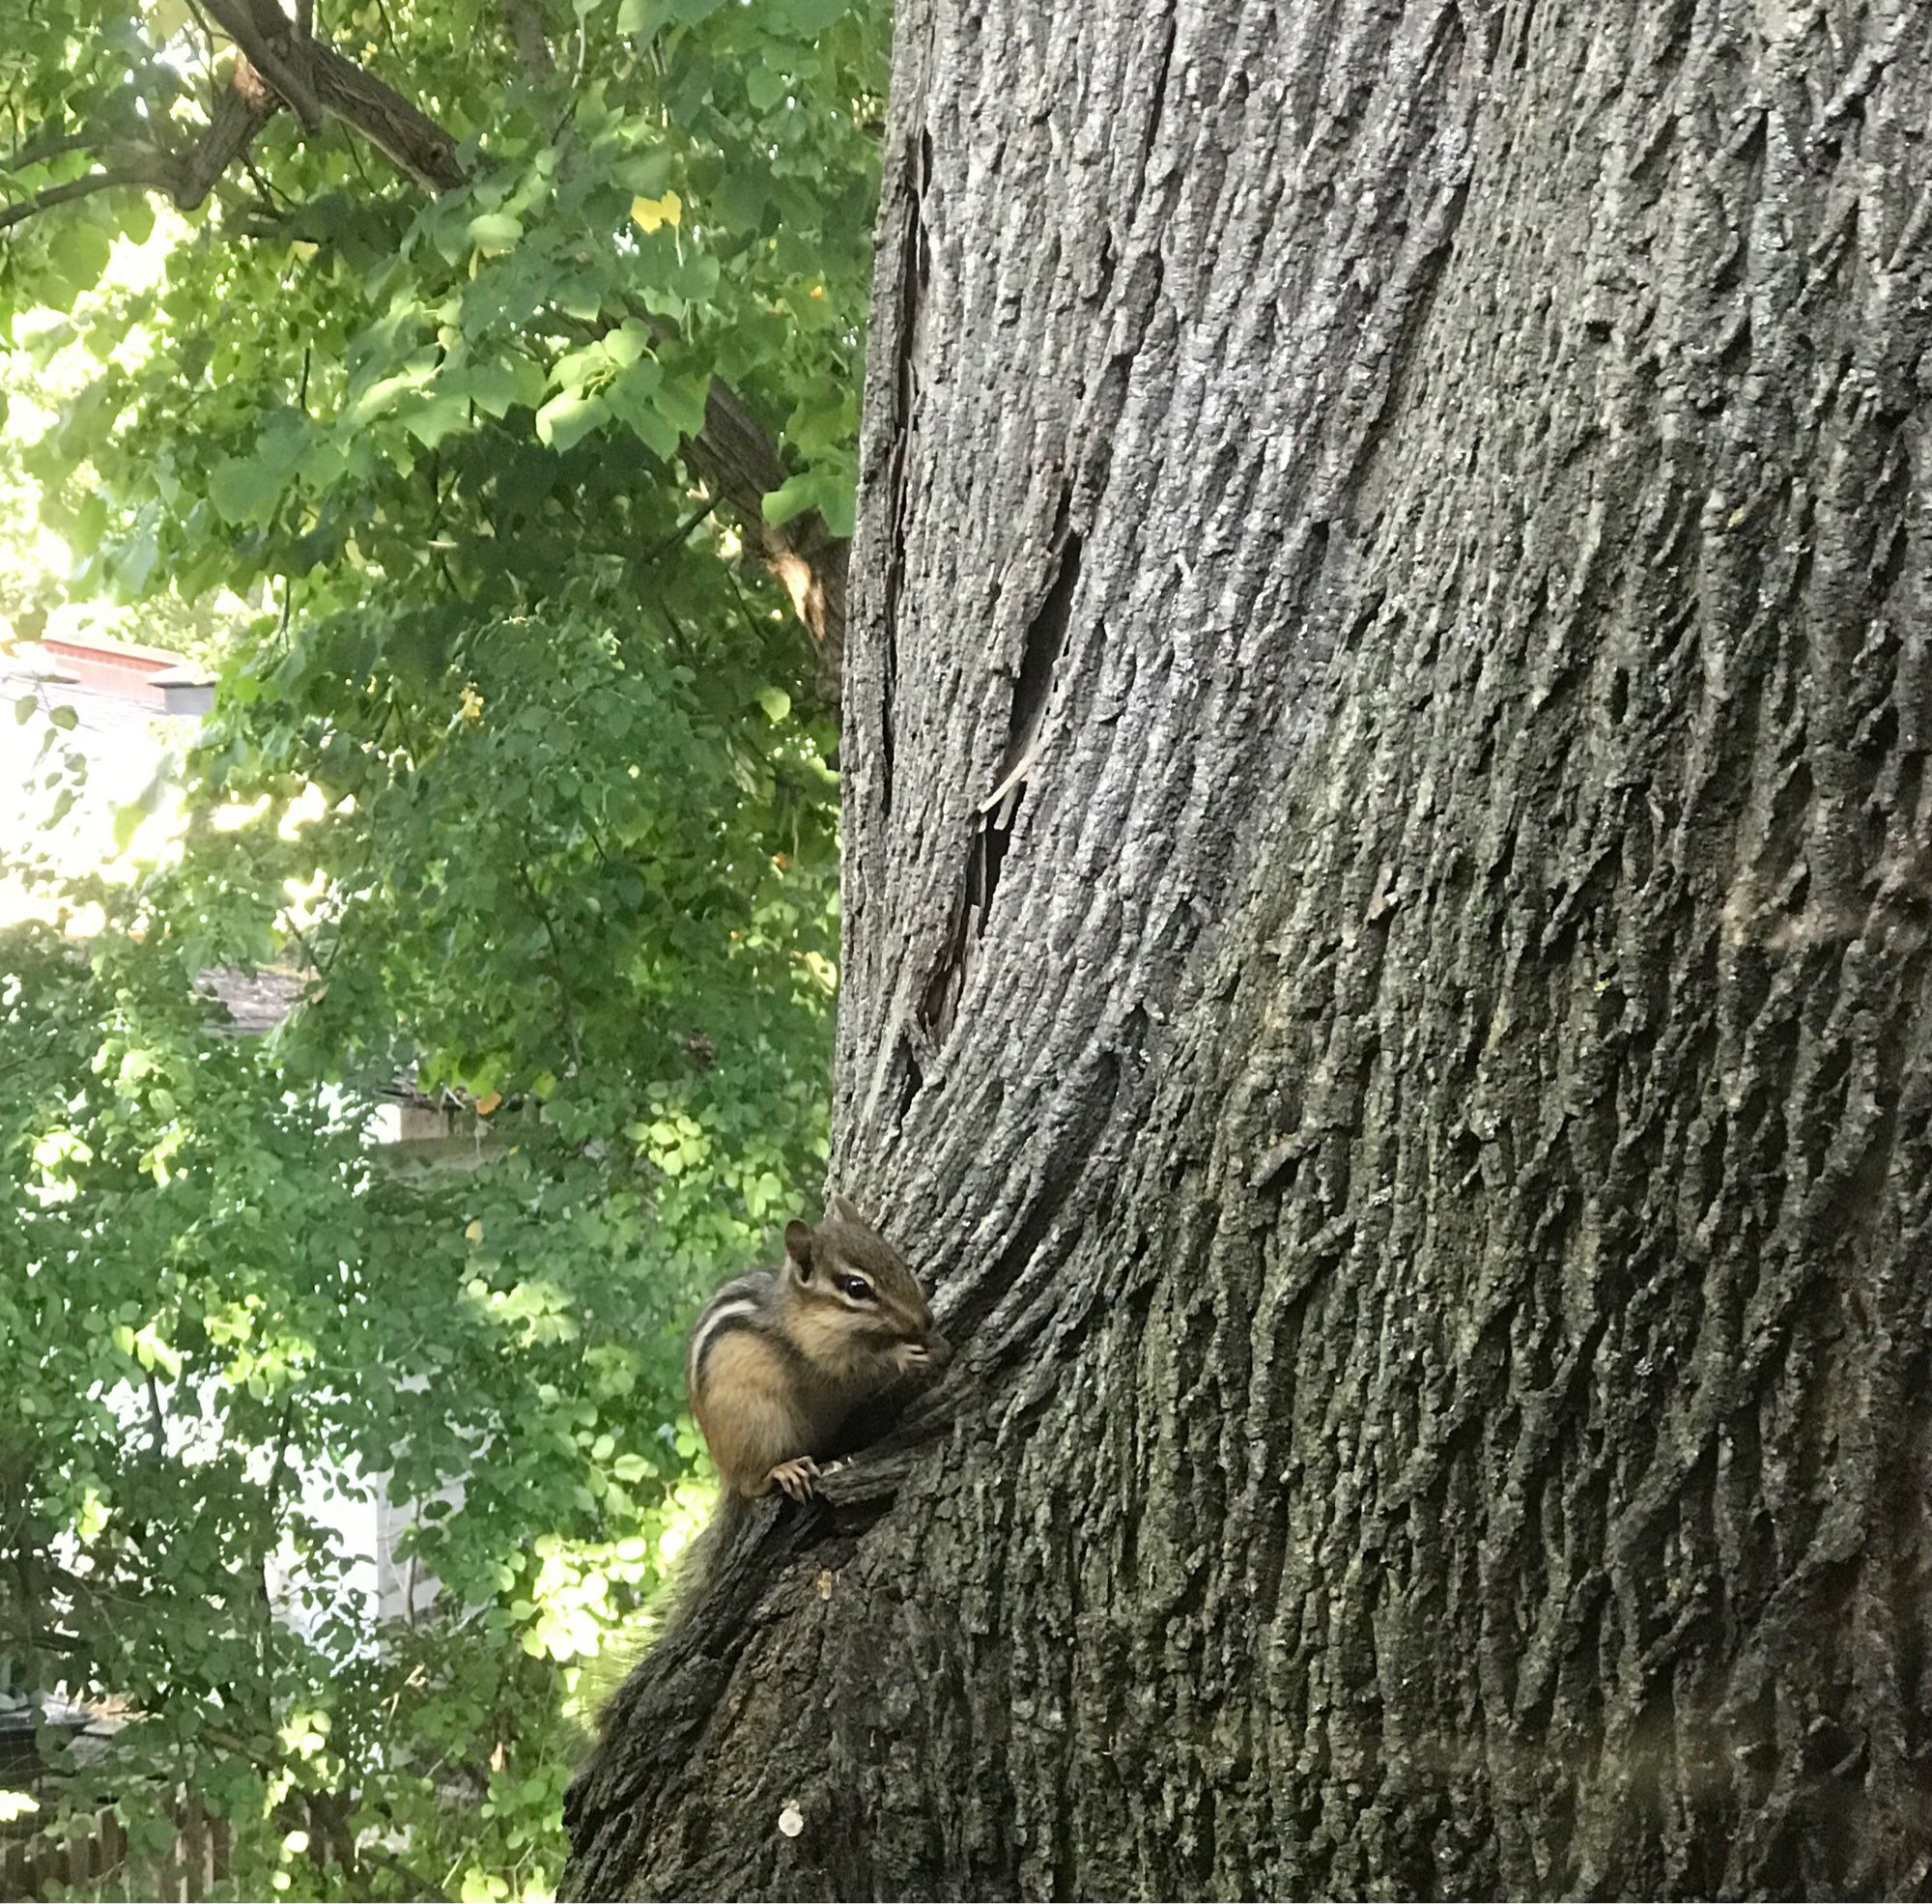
column 517, row 768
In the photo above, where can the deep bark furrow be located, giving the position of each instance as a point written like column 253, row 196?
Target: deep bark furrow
column 1431, row 1160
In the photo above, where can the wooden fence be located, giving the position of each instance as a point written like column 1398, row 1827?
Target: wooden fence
column 91, row 1857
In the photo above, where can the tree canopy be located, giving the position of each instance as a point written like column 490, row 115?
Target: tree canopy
column 474, row 387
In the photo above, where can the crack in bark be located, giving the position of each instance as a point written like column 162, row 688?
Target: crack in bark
column 993, row 831
column 1151, row 135
column 915, row 271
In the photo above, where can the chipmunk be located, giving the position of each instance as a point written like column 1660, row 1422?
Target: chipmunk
column 781, row 1367
column 778, row 1360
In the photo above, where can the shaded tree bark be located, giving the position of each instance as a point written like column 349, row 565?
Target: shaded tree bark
column 1387, row 883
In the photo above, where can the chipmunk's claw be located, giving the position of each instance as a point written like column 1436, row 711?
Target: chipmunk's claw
column 799, row 1478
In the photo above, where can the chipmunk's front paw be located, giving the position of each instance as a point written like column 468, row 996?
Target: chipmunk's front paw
column 799, row 1478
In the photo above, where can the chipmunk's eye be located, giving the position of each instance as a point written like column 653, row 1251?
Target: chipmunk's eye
column 856, row 1287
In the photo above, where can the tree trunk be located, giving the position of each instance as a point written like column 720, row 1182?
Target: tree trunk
column 1387, row 889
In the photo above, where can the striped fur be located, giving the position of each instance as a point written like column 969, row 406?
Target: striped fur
column 779, row 1359
column 735, row 1306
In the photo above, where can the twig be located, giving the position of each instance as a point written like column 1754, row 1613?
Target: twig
column 35, row 153
column 83, row 188
column 677, row 535
column 566, row 1004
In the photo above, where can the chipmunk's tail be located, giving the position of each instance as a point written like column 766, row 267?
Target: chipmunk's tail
column 663, row 1626
column 698, row 1566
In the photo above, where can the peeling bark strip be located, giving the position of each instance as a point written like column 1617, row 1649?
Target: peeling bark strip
column 1045, row 634
column 1431, row 1160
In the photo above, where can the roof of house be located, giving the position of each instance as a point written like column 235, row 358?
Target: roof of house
column 257, row 1001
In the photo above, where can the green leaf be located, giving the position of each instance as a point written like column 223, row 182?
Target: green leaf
column 810, row 18
column 135, row 558
column 494, row 231
column 323, row 464
column 491, row 387
column 79, row 252
column 634, row 398
column 235, row 488
column 793, row 498
column 90, row 519
column 645, row 174
column 577, row 368
column 567, row 418
column 776, row 703
column 682, row 400
column 838, row 504
column 829, row 419
column 435, row 416
column 765, row 87
column 625, row 345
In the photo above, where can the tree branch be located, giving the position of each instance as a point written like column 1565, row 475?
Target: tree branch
column 731, row 452
column 738, row 460
column 147, row 177
column 36, row 151
column 270, row 39
column 277, row 63
column 239, row 111
column 527, row 33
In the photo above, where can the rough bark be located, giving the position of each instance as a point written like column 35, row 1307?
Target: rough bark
column 1387, row 887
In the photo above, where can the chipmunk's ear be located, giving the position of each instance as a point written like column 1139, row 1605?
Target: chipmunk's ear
column 798, row 1241
column 842, row 1209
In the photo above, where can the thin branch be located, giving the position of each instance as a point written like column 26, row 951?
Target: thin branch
column 560, row 966
column 240, row 111
column 678, row 534
column 147, row 177
column 39, row 151
column 271, row 1535
column 389, row 27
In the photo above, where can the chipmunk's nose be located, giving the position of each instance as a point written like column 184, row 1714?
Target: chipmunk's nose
column 938, row 1348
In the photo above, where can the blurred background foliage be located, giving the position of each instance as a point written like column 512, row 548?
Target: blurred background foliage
column 519, row 782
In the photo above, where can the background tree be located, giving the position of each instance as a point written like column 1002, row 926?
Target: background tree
column 384, row 334
column 1386, row 977
column 475, row 386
